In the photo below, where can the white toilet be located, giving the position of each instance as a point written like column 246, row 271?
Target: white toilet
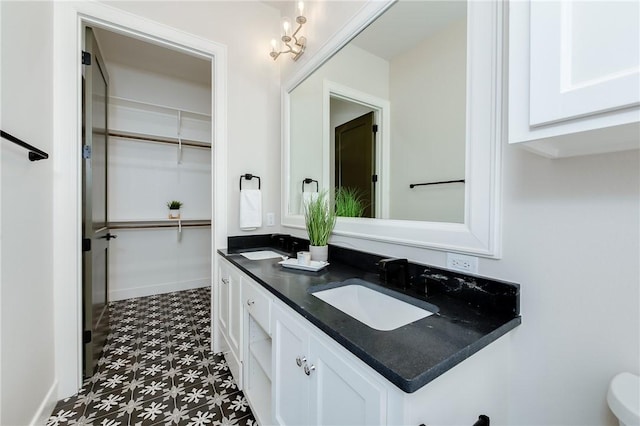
column 624, row 398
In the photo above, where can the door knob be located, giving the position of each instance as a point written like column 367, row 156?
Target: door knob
column 250, row 302
column 300, row 360
column 308, row 369
column 109, row 236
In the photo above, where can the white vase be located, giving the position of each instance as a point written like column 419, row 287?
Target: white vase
column 174, row 213
column 319, row 253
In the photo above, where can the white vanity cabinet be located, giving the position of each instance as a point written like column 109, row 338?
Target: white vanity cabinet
column 315, row 382
column 229, row 316
column 574, row 76
column 292, row 373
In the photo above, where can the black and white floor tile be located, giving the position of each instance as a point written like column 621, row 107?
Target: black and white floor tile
column 157, row 369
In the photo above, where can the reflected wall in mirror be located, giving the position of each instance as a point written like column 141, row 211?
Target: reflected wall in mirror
column 386, row 111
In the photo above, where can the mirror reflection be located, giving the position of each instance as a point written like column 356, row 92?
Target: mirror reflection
column 388, row 111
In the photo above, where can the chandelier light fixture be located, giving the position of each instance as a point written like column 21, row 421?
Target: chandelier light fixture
column 291, row 42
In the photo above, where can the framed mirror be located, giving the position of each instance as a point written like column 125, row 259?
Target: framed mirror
column 403, row 109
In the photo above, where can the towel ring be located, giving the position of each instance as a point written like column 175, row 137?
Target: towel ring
column 308, row 181
column 249, row 176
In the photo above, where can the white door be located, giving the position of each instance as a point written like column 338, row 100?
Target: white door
column 290, row 389
column 341, row 394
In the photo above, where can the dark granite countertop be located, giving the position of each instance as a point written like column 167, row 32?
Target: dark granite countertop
column 473, row 312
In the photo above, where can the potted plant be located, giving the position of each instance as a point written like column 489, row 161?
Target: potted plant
column 319, row 219
column 349, row 202
column 174, row 209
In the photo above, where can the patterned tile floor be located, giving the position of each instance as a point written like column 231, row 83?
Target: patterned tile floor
column 157, row 369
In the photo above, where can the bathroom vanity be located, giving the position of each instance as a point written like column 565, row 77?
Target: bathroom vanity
column 299, row 360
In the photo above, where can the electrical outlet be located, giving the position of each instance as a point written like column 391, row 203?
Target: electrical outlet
column 271, row 219
column 460, row 262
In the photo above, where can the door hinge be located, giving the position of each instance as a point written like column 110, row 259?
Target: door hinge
column 86, row 336
column 374, row 178
column 86, row 58
column 86, row 244
column 86, row 152
column 375, row 128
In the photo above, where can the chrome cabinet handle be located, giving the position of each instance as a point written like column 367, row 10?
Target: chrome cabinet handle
column 225, row 281
column 308, row 369
column 250, row 302
column 300, row 360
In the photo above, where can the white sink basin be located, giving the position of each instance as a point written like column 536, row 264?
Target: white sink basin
column 260, row 255
column 378, row 310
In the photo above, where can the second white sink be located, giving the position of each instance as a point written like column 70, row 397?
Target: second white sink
column 373, row 308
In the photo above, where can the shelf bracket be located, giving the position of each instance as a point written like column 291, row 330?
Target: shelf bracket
column 179, row 137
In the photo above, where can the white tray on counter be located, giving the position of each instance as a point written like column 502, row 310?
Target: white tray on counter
column 293, row 264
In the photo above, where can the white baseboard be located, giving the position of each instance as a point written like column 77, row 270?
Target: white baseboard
column 128, row 293
column 46, row 406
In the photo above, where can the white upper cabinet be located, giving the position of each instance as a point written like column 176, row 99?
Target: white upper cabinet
column 574, row 76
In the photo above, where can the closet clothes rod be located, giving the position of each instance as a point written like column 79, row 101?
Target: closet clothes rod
column 160, row 140
column 34, row 153
column 160, row 225
column 436, row 183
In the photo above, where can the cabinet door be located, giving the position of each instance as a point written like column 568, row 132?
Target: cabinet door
column 341, row 394
column 290, row 385
column 235, row 313
column 223, row 299
column 584, row 58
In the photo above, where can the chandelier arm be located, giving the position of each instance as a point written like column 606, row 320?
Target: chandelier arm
column 296, row 31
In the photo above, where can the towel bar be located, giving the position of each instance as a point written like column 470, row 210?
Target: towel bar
column 308, row 181
column 436, row 183
column 249, row 176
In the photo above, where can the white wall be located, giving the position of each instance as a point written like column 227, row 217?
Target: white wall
column 253, row 88
column 427, row 90
column 571, row 239
column 324, row 18
column 27, row 389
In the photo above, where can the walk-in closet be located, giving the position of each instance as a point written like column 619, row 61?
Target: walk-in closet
column 159, row 150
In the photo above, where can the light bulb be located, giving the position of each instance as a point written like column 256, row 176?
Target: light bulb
column 286, row 25
column 273, row 44
column 300, row 8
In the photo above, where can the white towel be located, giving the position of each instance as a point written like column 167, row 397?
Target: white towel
column 250, row 209
column 307, row 197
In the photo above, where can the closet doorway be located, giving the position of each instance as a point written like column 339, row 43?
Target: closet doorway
column 153, row 146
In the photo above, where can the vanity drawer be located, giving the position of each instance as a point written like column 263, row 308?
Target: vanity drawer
column 258, row 304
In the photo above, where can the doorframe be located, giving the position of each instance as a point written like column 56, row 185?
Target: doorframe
column 68, row 21
column 382, row 113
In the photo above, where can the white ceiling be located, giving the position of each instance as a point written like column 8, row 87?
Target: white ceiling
column 406, row 23
column 150, row 57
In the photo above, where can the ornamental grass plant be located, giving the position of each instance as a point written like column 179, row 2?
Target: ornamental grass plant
column 349, row 202
column 319, row 219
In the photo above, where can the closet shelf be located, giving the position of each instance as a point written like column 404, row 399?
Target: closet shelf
column 125, row 102
column 158, row 139
column 160, row 223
